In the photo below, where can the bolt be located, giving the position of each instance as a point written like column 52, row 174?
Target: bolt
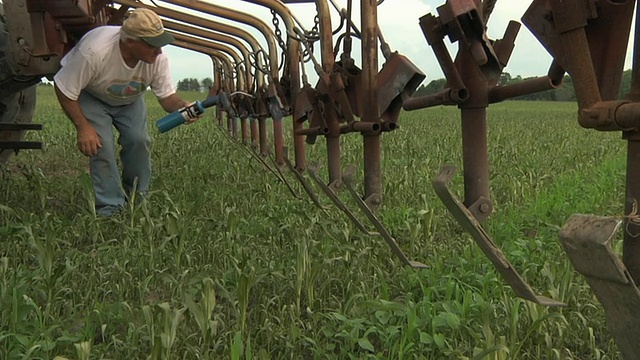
column 484, row 207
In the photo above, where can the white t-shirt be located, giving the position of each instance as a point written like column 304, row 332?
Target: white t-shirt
column 96, row 65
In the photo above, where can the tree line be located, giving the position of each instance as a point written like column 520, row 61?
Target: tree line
column 193, row 84
column 564, row 92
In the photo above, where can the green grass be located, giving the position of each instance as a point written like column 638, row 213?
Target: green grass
column 223, row 262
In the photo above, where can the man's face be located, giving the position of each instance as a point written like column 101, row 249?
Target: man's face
column 145, row 52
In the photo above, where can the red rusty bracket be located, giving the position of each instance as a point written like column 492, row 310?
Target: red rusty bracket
column 461, row 21
column 465, row 218
column 397, row 81
column 309, row 107
column 587, row 38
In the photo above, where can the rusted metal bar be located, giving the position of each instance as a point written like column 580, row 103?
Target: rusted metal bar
column 475, row 157
column 447, row 96
column 238, row 16
column 292, row 67
column 326, row 52
column 370, row 112
column 469, row 223
column 255, row 133
column 316, row 130
column 208, row 44
column 631, row 239
column 19, row 127
column 432, row 30
column 347, row 179
column 220, row 56
column 475, row 153
column 571, row 21
column 553, row 80
column 230, row 40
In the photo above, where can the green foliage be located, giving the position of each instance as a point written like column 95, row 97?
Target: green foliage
column 189, row 84
column 222, row 262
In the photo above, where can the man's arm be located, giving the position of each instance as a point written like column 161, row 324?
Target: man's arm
column 173, row 103
column 88, row 141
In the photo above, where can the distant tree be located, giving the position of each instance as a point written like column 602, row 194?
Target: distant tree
column 207, row 83
column 189, row 84
column 565, row 92
column 505, row 78
column 433, row 87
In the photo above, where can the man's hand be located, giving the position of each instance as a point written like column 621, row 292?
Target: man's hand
column 191, row 120
column 175, row 103
column 88, row 141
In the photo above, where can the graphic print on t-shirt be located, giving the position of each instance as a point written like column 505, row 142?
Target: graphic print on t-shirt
column 126, row 90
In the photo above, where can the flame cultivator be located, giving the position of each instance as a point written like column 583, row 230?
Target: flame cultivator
column 263, row 77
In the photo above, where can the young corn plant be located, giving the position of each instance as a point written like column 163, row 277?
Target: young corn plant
column 202, row 313
column 162, row 323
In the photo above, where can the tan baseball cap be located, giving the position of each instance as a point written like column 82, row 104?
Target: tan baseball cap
column 147, row 25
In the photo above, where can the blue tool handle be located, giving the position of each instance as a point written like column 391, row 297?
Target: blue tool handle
column 211, row 101
column 179, row 117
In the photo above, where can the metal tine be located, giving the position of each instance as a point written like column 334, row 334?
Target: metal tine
column 347, row 179
column 305, row 184
column 256, row 156
column 469, row 223
column 283, row 178
column 312, row 169
column 587, row 240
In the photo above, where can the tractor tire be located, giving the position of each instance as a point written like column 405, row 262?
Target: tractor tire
column 16, row 107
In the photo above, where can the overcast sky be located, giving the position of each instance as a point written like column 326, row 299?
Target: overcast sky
column 398, row 20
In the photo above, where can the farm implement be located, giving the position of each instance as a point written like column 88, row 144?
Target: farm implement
column 262, row 77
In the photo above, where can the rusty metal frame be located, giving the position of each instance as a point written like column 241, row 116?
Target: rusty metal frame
column 247, row 76
column 237, row 16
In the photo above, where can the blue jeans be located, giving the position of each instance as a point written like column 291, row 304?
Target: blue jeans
column 111, row 190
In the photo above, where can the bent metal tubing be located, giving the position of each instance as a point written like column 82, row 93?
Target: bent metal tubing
column 273, row 56
column 237, row 16
column 218, row 56
column 223, row 48
column 293, row 67
column 328, row 61
column 208, row 44
column 226, row 75
column 216, row 37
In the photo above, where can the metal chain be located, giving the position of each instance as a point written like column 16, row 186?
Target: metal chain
column 316, row 24
column 276, row 25
column 310, row 37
